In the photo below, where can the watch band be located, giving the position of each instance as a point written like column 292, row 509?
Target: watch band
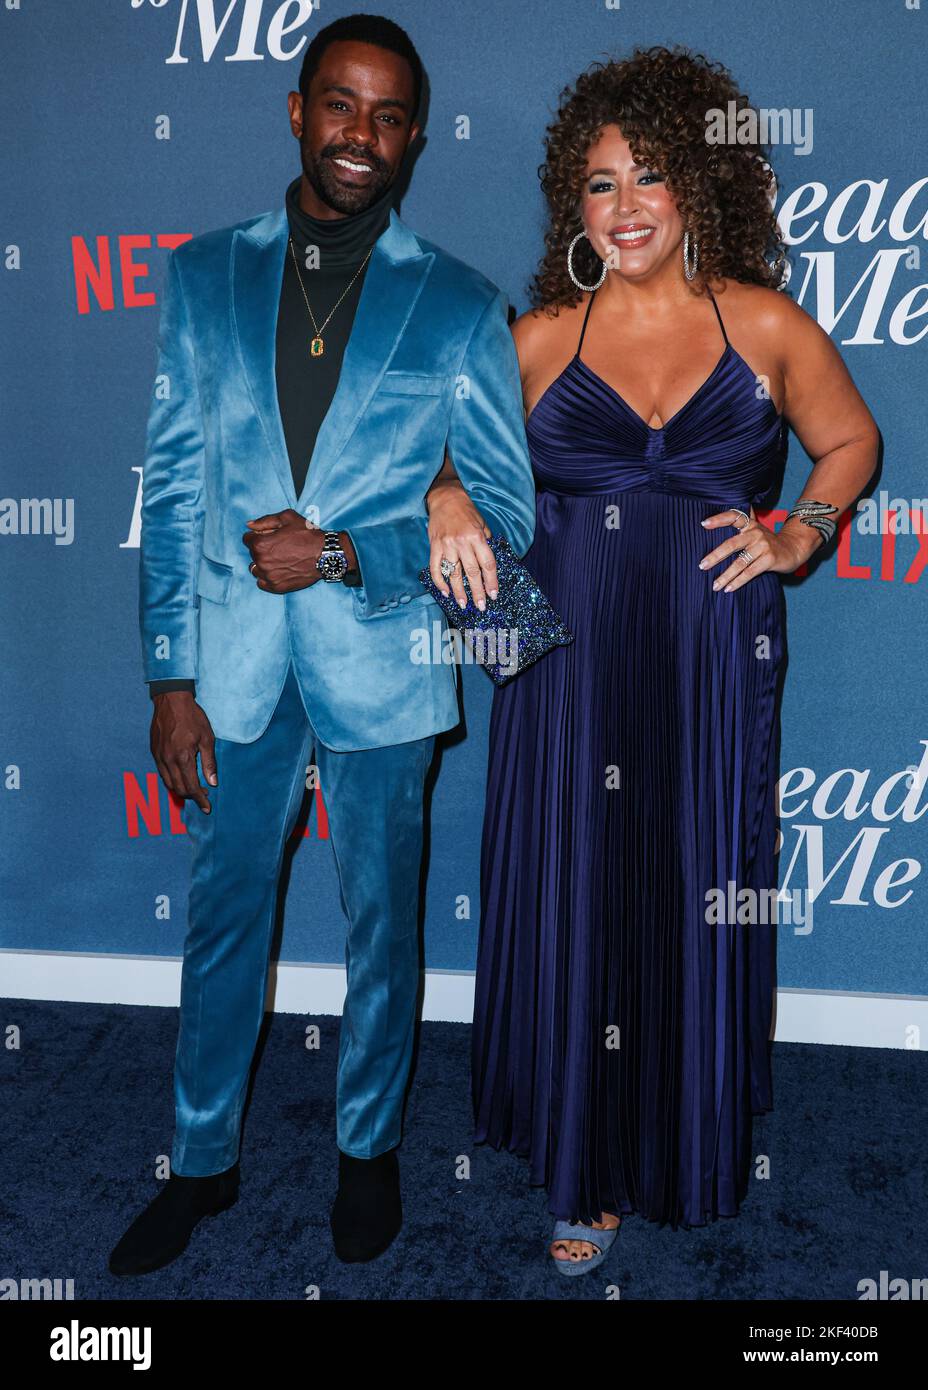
column 332, row 563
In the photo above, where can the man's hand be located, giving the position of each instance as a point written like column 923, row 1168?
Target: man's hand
column 284, row 549
column 180, row 730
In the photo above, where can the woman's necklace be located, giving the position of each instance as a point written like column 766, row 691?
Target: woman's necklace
column 317, row 346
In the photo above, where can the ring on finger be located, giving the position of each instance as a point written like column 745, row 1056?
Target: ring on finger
column 747, row 520
column 448, row 567
column 746, row 556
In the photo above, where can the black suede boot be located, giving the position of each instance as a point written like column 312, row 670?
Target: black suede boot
column 161, row 1232
column 368, row 1212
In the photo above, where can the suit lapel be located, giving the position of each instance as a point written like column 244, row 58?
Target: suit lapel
column 394, row 278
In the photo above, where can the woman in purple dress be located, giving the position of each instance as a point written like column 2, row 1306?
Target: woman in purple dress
column 622, row 1021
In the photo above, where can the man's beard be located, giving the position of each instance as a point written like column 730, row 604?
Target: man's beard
column 322, row 176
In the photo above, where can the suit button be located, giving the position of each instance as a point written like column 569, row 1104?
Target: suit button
column 404, row 598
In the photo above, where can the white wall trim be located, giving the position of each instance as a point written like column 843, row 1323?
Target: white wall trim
column 852, row 1019
column 803, row 1015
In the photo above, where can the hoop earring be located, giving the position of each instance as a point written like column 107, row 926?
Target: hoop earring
column 570, row 267
column 690, row 270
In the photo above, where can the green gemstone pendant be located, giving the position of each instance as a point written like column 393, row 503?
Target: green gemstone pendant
column 316, row 348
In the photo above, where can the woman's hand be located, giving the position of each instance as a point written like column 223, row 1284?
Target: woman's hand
column 783, row 552
column 457, row 532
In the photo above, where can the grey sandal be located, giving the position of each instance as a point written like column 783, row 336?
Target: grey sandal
column 576, row 1230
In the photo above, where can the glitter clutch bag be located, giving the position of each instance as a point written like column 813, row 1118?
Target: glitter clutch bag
column 515, row 628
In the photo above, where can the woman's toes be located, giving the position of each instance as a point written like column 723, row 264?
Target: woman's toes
column 578, row 1250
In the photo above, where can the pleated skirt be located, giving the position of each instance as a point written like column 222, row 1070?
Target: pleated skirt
column 621, row 1038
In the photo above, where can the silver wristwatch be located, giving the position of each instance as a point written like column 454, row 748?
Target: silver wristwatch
column 333, row 562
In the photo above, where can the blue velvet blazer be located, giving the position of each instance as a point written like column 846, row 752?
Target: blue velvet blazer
column 430, row 364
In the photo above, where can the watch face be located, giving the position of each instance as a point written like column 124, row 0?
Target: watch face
column 332, row 564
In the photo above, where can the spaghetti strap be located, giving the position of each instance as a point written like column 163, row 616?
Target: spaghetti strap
column 589, row 306
column 719, row 317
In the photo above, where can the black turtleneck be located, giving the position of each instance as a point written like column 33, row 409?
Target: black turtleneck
column 306, row 384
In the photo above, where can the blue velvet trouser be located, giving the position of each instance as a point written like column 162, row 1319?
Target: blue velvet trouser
column 374, row 800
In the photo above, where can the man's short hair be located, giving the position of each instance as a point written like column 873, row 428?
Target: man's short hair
column 364, row 28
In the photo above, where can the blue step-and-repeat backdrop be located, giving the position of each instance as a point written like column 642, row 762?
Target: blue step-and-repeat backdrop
column 131, row 124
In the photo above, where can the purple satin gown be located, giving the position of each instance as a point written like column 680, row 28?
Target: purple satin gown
column 593, row 898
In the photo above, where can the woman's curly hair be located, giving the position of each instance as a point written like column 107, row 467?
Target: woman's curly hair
column 660, row 98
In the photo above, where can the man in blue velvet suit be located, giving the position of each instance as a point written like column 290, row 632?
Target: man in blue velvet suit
column 316, row 364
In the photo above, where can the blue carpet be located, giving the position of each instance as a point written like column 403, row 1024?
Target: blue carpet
column 87, row 1108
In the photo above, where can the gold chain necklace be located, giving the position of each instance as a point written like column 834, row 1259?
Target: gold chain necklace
column 317, row 347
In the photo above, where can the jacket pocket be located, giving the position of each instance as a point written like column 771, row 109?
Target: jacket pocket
column 411, row 384
column 213, row 580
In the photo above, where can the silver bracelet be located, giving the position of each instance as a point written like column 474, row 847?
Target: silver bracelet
column 815, row 514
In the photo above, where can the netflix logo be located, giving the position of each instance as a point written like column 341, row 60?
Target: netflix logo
column 152, row 810
column 114, row 269
column 887, row 554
